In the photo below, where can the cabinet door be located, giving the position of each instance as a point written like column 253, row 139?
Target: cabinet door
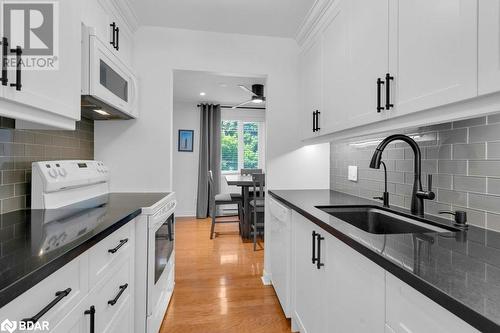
column 308, row 280
column 489, row 47
column 336, row 91
column 51, row 91
column 433, row 53
column 310, row 86
column 409, row 311
column 368, row 43
column 355, row 291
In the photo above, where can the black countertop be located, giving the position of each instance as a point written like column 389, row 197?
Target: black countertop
column 460, row 271
column 36, row 242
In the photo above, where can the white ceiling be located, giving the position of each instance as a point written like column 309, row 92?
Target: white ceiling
column 219, row 88
column 280, row 18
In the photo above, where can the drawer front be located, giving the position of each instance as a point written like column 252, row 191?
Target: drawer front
column 103, row 255
column 71, row 276
column 113, row 293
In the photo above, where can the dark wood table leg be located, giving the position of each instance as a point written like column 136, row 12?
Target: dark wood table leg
column 246, row 212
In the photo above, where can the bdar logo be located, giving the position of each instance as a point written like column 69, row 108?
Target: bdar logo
column 8, row 326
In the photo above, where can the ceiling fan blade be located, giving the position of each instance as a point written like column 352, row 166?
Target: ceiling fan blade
column 241, row 104
column 246, row 89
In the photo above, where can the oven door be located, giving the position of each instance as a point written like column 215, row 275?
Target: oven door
column 111, row 81
column 160, row 264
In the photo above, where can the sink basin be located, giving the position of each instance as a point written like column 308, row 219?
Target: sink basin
column 378, row 221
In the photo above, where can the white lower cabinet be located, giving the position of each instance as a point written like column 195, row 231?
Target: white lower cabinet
column 408, row 311
column 355, row 292
column 350, row 293
column 111, row 296
column 280, row 254
column 308, row 279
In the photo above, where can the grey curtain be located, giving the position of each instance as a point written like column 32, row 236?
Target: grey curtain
column 210, row 118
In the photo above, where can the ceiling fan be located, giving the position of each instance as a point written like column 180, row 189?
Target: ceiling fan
column 257, row 95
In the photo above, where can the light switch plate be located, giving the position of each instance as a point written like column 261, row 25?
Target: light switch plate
column 352, row 173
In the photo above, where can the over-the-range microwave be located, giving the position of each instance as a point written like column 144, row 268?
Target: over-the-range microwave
column 109, row 88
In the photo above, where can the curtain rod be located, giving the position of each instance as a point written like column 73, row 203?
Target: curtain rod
column 239, row 107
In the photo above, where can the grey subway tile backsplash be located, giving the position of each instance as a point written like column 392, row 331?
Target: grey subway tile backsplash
column 463, row 156
column 19, row 148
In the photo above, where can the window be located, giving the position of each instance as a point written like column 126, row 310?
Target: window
column 240, row 142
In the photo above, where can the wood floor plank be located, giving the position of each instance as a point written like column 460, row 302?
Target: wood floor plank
column 218, row 284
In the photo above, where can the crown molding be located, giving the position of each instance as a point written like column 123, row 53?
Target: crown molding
column 312, row 21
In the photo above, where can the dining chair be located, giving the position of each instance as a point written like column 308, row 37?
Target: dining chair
column 257, row 205
column 217, row 200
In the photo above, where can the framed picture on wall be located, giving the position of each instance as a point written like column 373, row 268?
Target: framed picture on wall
column 185, row 143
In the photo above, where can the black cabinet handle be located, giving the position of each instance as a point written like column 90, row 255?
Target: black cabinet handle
column 122, row 242
column 5, row 50
column 380, row 82
column 113, row 34
column 117, row 46
column 317, row 120
column 117, row 297
column 314, row 247
column 314, row 121
column 18, row 51
column 91, row 312
column 388, row 79
column 319, row 264
column 59, row 296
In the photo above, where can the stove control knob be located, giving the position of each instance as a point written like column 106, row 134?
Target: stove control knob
column 62, row 172
column 53, row 173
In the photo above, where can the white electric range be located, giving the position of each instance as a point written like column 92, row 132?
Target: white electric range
column 56, row 184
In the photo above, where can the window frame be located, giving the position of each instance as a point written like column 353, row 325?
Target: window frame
column 241, row 145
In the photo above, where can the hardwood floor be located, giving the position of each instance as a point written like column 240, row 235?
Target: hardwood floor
column 218, row 284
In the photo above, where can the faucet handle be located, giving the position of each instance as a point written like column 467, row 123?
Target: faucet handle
column 429, row 195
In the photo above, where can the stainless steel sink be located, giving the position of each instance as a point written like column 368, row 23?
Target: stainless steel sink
column 378, row 221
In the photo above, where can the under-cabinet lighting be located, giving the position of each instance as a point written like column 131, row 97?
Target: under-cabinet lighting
column 101, row 112
column 202, row 94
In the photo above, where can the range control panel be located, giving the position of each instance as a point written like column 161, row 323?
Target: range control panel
column 58, row 175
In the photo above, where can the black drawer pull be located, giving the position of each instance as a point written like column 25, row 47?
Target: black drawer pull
column 114, row 300
column 59, row 296
column 388, row 79
column 117, row 46
column 5, row 51
column 319, row 264
column 113, row 34
column 91, row 312
column 314, row 247
column 122, row 242
column 18, row 51
column 379, row 95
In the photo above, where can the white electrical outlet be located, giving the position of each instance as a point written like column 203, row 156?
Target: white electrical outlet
column 352, row 173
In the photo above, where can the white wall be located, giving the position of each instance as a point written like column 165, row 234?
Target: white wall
column 139, row 152
column 185, row 164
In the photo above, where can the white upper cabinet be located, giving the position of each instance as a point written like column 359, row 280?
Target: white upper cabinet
column 335, row 86
column 489, row 47
column 356, row 55
column 110, row 28
column 310, row 86
column 48, row 95
column 433, row 53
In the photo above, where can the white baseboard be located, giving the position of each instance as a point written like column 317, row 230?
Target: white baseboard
column 266, row 278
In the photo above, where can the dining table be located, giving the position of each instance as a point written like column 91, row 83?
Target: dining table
column 245, row 182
